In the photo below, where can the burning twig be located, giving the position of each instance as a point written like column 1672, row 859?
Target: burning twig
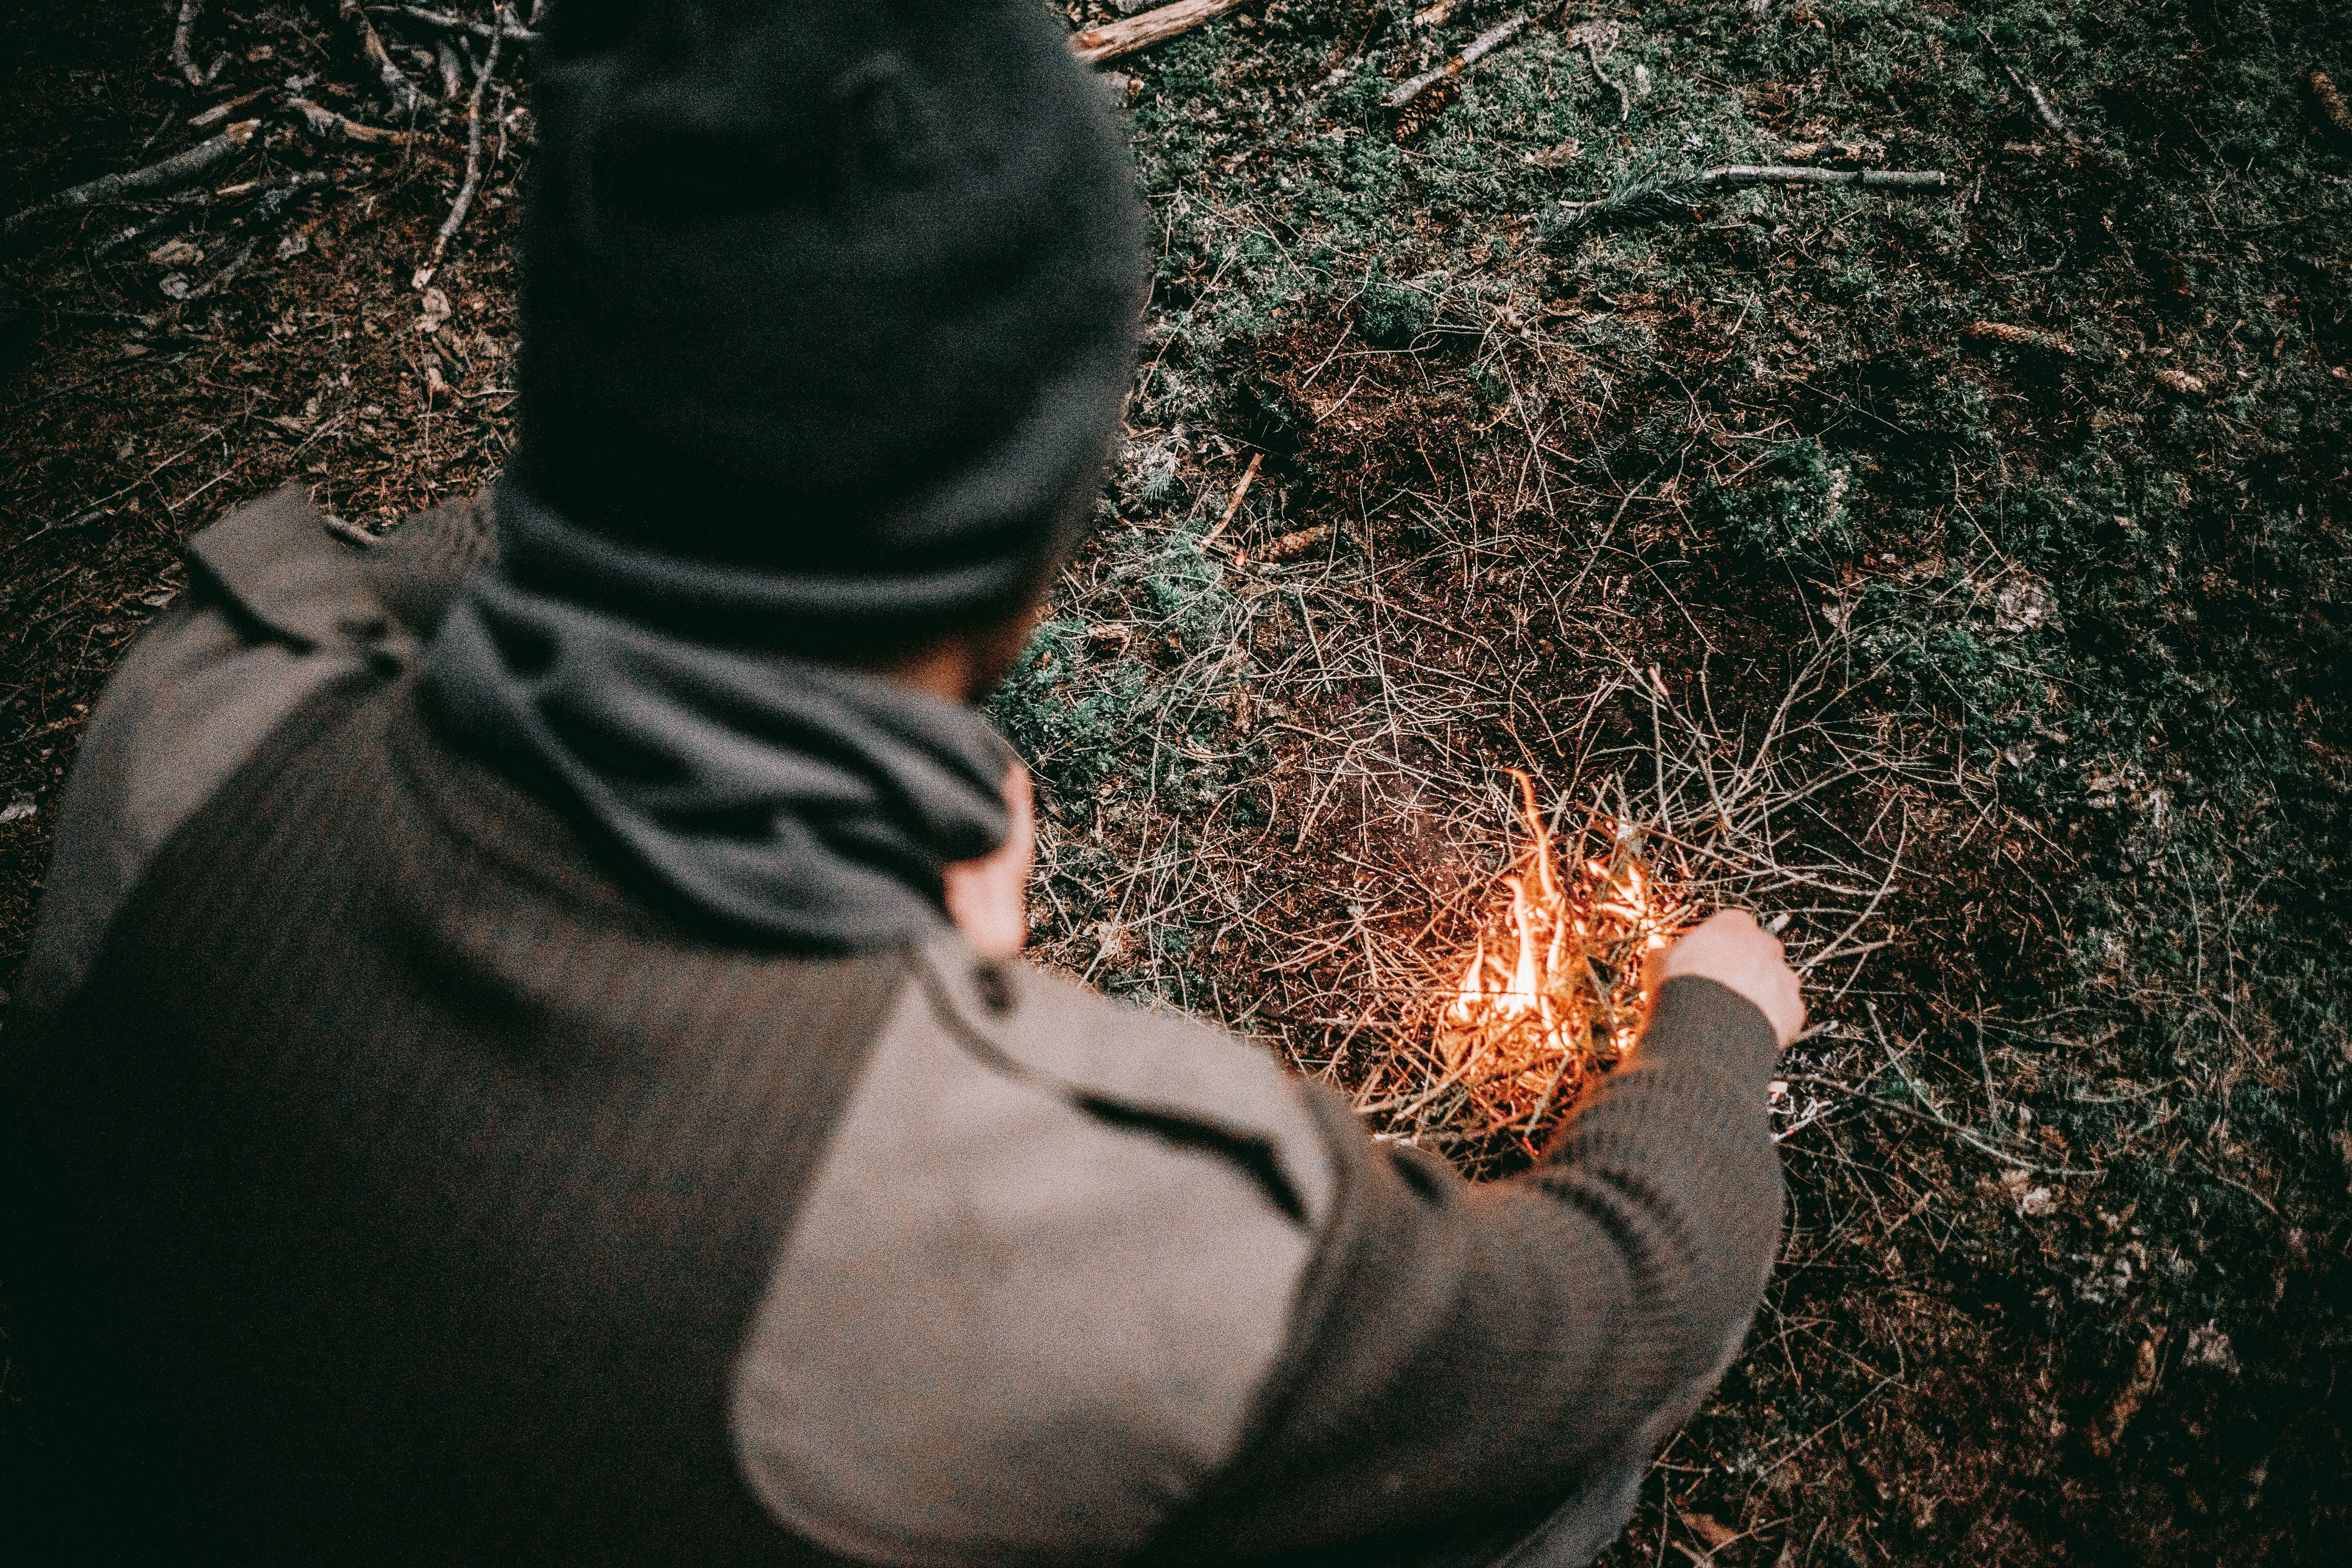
column 1477, row 49
column 170, row 174
column 1554, row 989
column 1650, row 201
column 1125, row 36
column 465, row 202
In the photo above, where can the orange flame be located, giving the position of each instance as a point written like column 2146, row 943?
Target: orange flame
column 1555, row 985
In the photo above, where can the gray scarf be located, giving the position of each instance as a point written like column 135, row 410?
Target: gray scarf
column 781, row 798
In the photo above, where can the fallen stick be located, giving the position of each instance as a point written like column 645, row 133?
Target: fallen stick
column 272, row 203
column 511, row 31
column 220, row 112
column 1116, row 39
column 465, row 202
column 179, row 169
column 1477, row 49
column 1666, row 198
column 2044, row 109
column 325, row 121
column 406, row 96
column 265, row 210
column 180, row 35
column 1240, row 490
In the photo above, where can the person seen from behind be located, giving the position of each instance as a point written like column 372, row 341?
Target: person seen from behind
column 525, row 1059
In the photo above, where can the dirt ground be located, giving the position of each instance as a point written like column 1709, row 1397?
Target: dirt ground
column 1957, row 573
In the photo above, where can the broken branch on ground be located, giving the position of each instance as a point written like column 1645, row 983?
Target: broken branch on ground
column 465, row 202
column 506, row 28
column 170, row 174
column 325, row 121
column 1116, row 39
column 180, row 35
column 2044, row 109
column 1657, row 200
column 407, row 97
column 1478, row 49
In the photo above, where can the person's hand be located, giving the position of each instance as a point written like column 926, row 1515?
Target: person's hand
column 988, row 898
column 1730, row 948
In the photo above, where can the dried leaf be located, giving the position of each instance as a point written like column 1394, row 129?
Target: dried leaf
column 1713, row 1531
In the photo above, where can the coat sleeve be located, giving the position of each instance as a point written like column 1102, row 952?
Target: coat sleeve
column 1461, row 1357
column 277, row 608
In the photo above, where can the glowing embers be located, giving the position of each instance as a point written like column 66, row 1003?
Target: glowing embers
column 1556, row 983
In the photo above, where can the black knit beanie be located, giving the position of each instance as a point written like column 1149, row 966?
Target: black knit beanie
column 828, row 313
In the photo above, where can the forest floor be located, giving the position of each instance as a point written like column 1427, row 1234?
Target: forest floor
column 1952, row 570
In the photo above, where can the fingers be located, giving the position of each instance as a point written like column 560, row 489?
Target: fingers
column 1730, row 948
column 988, row 898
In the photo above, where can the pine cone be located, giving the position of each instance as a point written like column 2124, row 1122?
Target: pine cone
column 1417, row 116
column 2331, row 102
column 2021, row 338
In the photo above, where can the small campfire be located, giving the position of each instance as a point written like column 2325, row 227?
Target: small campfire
column 1555, row 988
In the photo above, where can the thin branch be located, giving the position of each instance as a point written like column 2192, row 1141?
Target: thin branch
column 406, row 96
column 2044, row 109
column 170, row 174
column 257, row 222
column 1652, row 200
column 1478, row 49
column 1125, row 36
column 465, row 202
column 510, row 30
column 1234, row 505
column 180, row 35
column 220, row 112
column 325, row 121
